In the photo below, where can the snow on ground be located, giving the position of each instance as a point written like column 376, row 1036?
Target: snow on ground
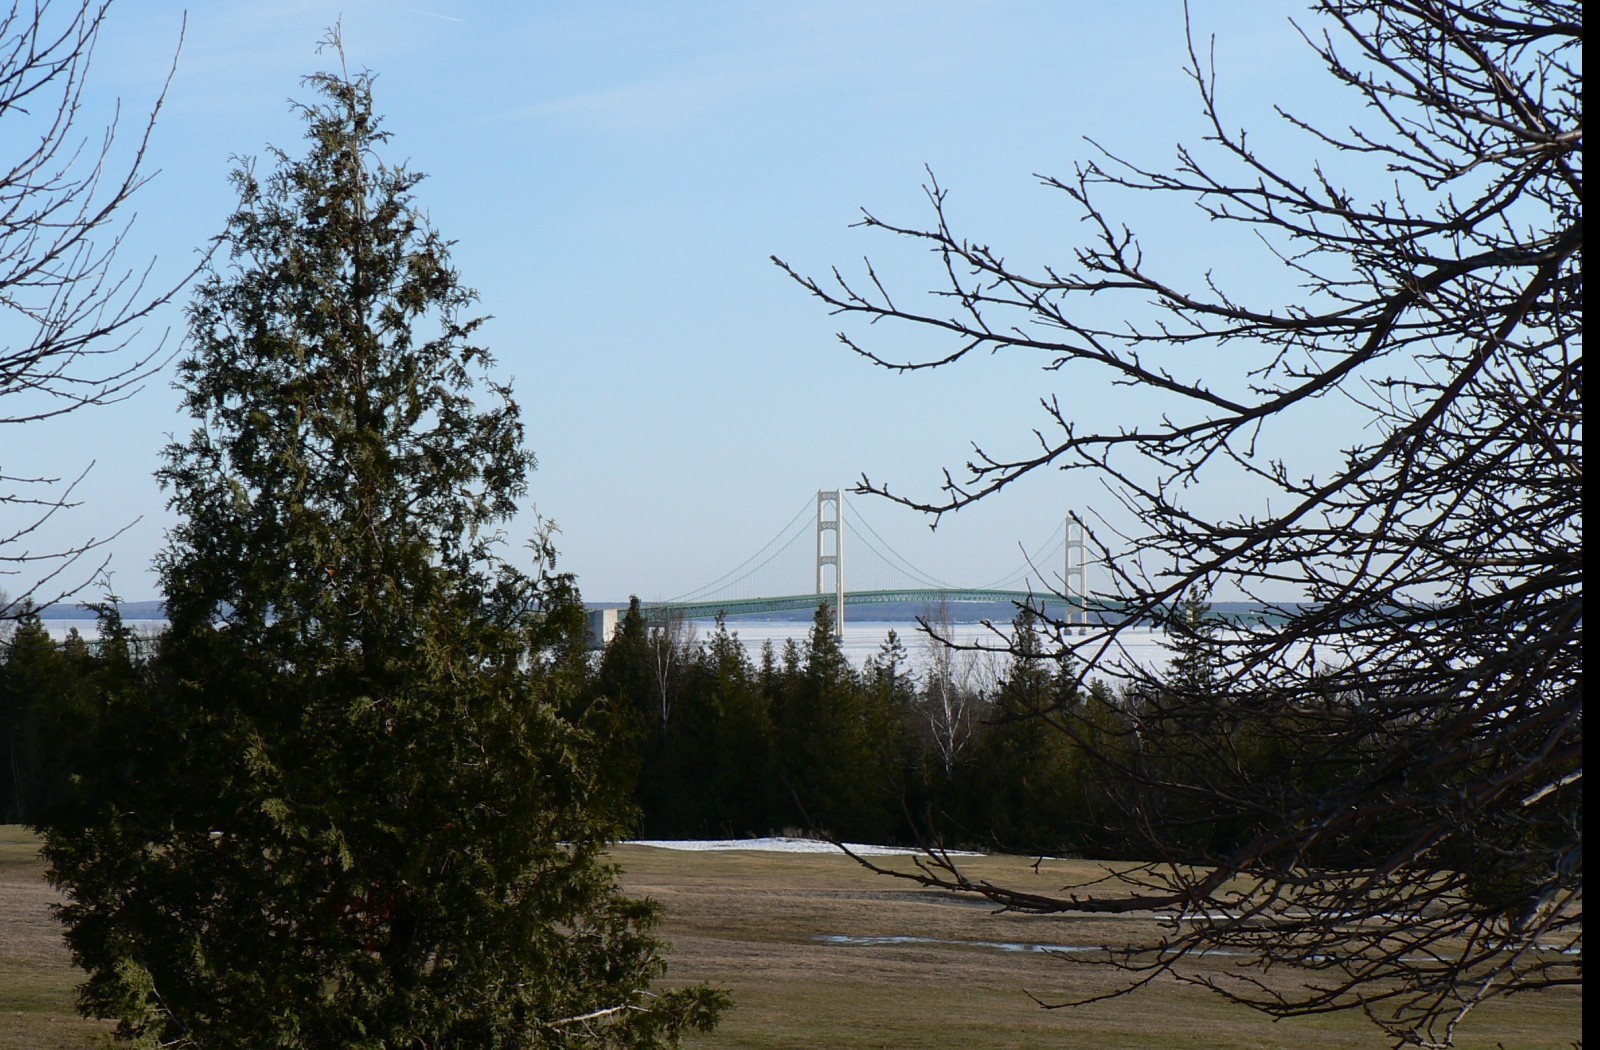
column 784, row 844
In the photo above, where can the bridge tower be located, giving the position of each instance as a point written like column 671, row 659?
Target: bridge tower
column 1075, row 577
column 830, row 519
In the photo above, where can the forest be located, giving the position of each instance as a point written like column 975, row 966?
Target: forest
column 700, row 740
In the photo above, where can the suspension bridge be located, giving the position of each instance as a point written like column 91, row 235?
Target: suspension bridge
column 805, row 564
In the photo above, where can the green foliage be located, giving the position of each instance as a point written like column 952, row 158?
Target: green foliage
column 1020, row 785
column 361, row 799
column 1195, row 668
column 45, row 689
column 731, row 723
column 827, row 729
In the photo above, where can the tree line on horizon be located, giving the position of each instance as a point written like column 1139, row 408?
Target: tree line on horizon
column 701, row 739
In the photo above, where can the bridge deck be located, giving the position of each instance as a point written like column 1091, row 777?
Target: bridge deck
column 789, row 602
column 1244, row 612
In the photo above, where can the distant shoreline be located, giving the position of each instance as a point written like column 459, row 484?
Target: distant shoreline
column 862, row 639
column 892, row 612
column 151, row 610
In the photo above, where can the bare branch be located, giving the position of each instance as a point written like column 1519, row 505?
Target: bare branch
column 1376, row 782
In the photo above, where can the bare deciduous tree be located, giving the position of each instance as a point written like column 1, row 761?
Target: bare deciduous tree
column 956, row 687
column 1398, row 743
column 672, row 645
column 69, row 313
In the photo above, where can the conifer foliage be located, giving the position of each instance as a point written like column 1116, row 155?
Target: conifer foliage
column 357, row 805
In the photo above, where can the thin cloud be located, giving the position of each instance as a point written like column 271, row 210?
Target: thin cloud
column 761, row 54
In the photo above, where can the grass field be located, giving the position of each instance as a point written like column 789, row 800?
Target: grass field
column 751, row 922
column 755, row 923
column 36, row 976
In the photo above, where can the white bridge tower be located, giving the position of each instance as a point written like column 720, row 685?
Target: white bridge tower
column 1075, row 575
column 830, row 519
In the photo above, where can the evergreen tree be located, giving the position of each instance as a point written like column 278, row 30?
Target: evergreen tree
column 735, row 745
column 1192, row 732
column 830, row 759
column 38, row 687
column 625, row 664
column 1019, row 784
column 359, row 805
column 52, row 699
column 1194, row 672
column 887, row 673
column 645, row 671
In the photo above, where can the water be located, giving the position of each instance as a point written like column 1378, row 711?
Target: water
column 861, row 640
column 60, row 629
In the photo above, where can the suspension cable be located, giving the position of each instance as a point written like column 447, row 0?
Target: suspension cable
column 787, row 536
column 893, row 555
column 725, row 578
column 1057, row 541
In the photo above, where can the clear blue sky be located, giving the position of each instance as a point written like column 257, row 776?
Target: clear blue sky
column 616, row 176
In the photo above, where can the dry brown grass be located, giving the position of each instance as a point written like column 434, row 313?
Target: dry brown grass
column 749, row 922
column 37, row 977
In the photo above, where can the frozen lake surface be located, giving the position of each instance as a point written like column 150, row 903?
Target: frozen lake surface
column 60, row 629
column 861, row 639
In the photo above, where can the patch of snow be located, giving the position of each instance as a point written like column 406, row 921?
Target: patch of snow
column 785, row 844
column 999, row 946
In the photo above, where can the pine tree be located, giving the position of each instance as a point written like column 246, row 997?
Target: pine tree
column 887, row 673
column 359, row 807
column 708, row 771
column 35, row 679
column 741, row 758
column 1194, row 672
column 829, row 758
column 1019, row 784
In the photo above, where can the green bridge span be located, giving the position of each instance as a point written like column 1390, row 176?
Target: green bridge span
column 741, row 606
